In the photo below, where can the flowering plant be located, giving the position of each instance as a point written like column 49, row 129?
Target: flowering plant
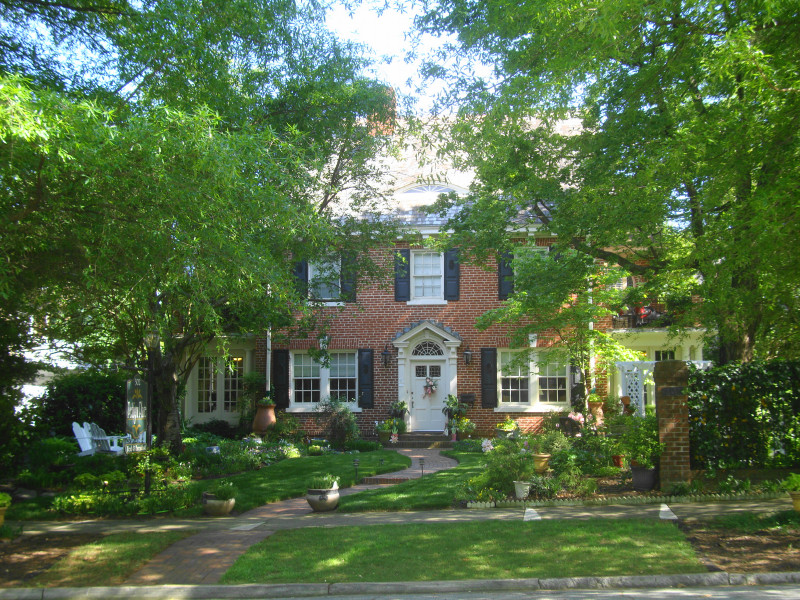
column 577, row 417
column 394, row 438
column 508, row 425
column 486, row 445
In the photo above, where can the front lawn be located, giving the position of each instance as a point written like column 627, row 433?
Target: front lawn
column 435, row 490
column 474, row 550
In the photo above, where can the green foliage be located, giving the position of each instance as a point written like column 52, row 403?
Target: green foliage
column 506, row 463
column 639, row 441
column 91, row 396
column 362, row 446
column 224, row 490
column 287, row 427
column 791, row 483
column 393, row 425
column 661, row 174
column 52, row 452
column 338, row 422
column 732, row 485
column 324, row 481
column 548, row 442
column 467, row 446
column 594, row 452
column 86, row 481
column 544, row 487
column 745, row 415
column 218, row 427
column 5, row 500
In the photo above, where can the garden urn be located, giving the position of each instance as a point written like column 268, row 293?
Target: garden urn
column 214, row 507
column 522, row 489
column 795, row 500
column 323, row 500
column 540, row 462
column 264, row 419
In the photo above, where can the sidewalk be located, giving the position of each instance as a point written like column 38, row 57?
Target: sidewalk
column 203, row 558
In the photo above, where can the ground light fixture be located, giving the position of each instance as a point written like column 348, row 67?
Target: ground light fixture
column 421, row 467
column 355, row 466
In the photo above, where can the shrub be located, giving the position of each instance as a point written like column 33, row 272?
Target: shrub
column 5, row 500
column 544, row 487
column 287, row 427
column 745, row 415
column 338, row 422
column 224, row 490
column 506, row 463
column 362, row 445
column 467, row 446
column 217, row 427
column 94, row 396
column 52, row 452
column 86, row 481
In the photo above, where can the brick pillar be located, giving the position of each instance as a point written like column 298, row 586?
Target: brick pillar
column 671, row 378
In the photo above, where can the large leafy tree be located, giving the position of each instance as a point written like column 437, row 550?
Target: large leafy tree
column 658, row 136
column 166, row 178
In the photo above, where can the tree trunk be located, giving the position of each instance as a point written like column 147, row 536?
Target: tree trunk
column 166, row 400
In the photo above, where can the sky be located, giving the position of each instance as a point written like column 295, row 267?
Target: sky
column 388, row 36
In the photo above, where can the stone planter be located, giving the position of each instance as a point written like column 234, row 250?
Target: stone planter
column 506, row 434
column 323, row 500
column 596, row 408
column 644, row 478
column 540, row 462
column 383, row 437
column 522, row 489
column 264, row 419
column 217, row 508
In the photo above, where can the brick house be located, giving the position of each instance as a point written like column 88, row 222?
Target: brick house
column 387, row 340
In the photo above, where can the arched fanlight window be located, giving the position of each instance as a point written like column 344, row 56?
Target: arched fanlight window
column 428, row 349
column 429, row 189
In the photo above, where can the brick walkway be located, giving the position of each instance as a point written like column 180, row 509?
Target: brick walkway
column 204, row 558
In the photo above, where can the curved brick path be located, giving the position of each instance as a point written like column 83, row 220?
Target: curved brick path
column 204, row 558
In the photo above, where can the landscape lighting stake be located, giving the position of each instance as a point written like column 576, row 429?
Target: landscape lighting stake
column 355, row 466
column 421, row 467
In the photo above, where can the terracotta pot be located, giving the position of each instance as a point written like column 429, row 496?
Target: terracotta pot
column 264, row 419
column 540, row 462
column 596, row 408
column 323, row 500
column 3, row 510
column 619, row 460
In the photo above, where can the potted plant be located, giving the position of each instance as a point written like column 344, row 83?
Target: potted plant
column 5, row 502
column 220, row 499
column 639, row 442
column 464, row 427
column 544, row 445
column 508, row 429
column 398, row 409
column 323, row 492
column 792, row 485
column 595, row 404
column 264, row 418
column 385, row 429
column 453, row 408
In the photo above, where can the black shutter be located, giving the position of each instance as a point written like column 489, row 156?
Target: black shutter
column 488, row 377
column 555, row 254
column 365, row 378
column 402, row 278
column 301, row 277
column 280, row 378
column 347, row 277
column 505, row 276
column 452, row 273
column 577, row 390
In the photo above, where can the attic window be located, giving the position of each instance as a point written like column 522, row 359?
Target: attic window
column 429, row 189
column 428, row 349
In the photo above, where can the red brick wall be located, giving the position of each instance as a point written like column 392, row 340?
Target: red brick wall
column 671, row 378
column 376, row 319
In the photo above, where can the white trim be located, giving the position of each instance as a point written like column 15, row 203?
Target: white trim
column 324, row 387
column 532, row 405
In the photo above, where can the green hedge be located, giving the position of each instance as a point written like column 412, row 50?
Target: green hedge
column 745, row 415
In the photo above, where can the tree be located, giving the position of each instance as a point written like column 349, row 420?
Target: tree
column 660, row 137
column 169, row 181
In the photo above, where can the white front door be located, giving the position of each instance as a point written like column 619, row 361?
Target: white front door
column 426, row 402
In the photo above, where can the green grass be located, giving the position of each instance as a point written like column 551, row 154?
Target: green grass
column 432, row 491
column 287, row 478
column 108, row 561
column 279, row 481
column 473, row 550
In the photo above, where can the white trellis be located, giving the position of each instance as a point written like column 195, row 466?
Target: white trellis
column 635, row 375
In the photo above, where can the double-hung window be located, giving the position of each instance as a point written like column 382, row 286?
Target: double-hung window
column 324, row 280
column 531, row 386
column 312, row 382
column 426, row 276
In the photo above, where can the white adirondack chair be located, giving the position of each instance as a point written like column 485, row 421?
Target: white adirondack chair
column 103, row 442
column 84, row 440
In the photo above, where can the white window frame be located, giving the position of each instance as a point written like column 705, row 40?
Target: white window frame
column 438, row 299
column 326, row 268
column 533, row 404
column 219, row 369
column 324, row 383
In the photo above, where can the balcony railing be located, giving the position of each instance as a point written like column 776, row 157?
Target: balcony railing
column 642, row 316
